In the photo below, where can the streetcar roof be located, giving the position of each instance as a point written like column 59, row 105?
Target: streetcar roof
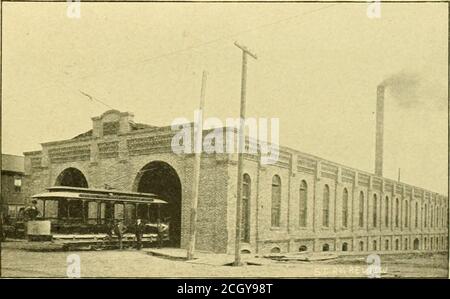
column 99, row 194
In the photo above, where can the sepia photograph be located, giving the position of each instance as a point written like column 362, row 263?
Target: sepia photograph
column 224, row 139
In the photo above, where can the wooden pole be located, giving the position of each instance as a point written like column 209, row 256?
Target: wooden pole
column 241, row 147
column 198, row 140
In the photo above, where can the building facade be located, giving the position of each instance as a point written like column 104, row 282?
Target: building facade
column 12, row 190
column 299, row 203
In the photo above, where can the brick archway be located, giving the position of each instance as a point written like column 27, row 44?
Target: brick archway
column 160, row 178
column 71, row 177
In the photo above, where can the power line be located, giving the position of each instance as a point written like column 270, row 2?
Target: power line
column 94, row 99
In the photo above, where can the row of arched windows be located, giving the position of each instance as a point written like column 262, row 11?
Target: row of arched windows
column 436, row 215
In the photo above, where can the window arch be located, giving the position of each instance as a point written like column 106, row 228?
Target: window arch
column 437, row 216
column 375, row 210
column 361, row 209
column 246, row 195
column 416, row 215
column 303, row 248
column 326, row 206
column 396, row 212
column 406, row 213
column 386, row 211
column 416, row 244
column 325, row 247
column 276, row 201
column 345, row 246
column 425, row 216
column 432, row 215
column 361, row 246
column 345, row 208
column 303, row 207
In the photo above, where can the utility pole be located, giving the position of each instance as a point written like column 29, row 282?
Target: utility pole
column 196, row 176
column 241, row 147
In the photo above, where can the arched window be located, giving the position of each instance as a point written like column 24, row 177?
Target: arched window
column 437, row 216
column 276, row 201
column 386, row 211
column 361, row 209
column 246, row 194
column 326, row 206
column 303, row 248
column 361, row 246
column 406, row 243
column 374, row 245
column 416, row 215
column 416, row 244
column 344, row 246
column 325, row 247
column 344, row 208
column 386, row 245
column 432, row 215
column 425, row 216
column 425, row 243
column 406, row 213
column 396, row 212
column 375, row 210
column 303, row 208
column 397, row 244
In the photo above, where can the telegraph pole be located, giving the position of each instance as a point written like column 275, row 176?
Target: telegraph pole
column 198, row 141
column 241, row 147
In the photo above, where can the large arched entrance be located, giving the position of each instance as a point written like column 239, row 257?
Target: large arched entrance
column 71, row 177
column 160, row 178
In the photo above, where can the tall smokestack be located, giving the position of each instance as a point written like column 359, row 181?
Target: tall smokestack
column 379, row 131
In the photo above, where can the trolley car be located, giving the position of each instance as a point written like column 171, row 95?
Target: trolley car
column 82, row 216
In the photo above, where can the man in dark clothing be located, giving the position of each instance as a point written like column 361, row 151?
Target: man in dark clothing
column 119, row 229
column 139, row 231
column 31, row 212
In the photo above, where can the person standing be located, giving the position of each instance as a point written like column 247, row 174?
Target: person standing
column 119, row 229
column 32, row 211
column 139, row 231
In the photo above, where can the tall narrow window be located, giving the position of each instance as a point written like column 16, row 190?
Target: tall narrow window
column 432, row 216
column 361, row 209
column 425, row 216
column 375, row 208
column 303, row 204
column 276, row 201
column 396, row 212
column 17, row 184
column 344, row 208
column 386, row 211
column 246, row 192
column 406, row 213
column 416, row 215
column 326, row 206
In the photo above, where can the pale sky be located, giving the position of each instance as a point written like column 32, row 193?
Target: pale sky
column 317, row 71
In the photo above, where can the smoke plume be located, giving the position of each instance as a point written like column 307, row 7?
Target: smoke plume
column 411, row 89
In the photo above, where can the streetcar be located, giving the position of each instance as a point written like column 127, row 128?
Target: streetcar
column 77, row 217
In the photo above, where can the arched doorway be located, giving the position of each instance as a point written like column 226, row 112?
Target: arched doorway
column 160, row 178
column 71, row 177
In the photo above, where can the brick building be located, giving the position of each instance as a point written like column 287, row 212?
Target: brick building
column 12, row 191
column 301, row 202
